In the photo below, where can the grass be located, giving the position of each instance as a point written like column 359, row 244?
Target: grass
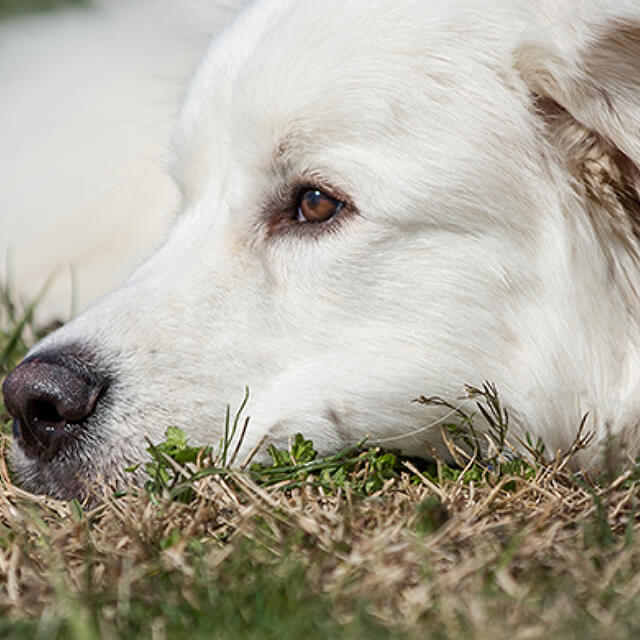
column 363, row 543
column 17, row 7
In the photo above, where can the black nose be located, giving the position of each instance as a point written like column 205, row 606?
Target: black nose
column 49, row 397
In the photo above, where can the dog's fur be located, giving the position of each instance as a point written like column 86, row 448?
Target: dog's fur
column 489, row 156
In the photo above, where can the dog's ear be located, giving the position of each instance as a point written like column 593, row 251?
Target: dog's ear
column 581, row 63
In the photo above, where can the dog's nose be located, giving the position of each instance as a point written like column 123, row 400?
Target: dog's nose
column 47, row 399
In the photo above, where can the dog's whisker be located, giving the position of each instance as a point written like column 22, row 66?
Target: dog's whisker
column 419, row 430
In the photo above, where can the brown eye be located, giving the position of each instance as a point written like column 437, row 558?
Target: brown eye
column 315, row 206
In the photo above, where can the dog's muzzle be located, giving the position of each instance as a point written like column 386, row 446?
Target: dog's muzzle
column 50, row 396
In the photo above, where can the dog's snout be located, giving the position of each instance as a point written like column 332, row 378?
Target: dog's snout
column 48, row 399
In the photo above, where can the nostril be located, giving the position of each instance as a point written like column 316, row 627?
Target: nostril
column 43, row 412
column 48, row 400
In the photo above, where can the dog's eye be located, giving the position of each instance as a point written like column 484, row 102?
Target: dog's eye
column 315, row 206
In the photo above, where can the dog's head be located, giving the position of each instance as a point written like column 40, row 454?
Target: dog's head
column 381, row 199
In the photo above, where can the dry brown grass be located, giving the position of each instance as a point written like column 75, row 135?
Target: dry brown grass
column 510, row 557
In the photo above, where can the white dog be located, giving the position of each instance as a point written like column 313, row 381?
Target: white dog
column 380, row 199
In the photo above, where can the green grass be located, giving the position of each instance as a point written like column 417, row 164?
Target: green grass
column 17, row 7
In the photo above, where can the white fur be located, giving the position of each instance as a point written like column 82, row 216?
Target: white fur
column 475, row 253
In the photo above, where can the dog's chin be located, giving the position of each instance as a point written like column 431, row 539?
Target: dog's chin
column 84, row 474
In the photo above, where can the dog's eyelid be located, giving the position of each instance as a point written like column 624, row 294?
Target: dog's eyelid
column 308, row 208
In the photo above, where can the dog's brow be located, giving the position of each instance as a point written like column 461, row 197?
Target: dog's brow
column 282, row 150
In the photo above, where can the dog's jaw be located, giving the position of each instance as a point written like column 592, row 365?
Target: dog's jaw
column 82, row 472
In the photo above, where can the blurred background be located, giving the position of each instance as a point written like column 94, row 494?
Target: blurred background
column 89, row 92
